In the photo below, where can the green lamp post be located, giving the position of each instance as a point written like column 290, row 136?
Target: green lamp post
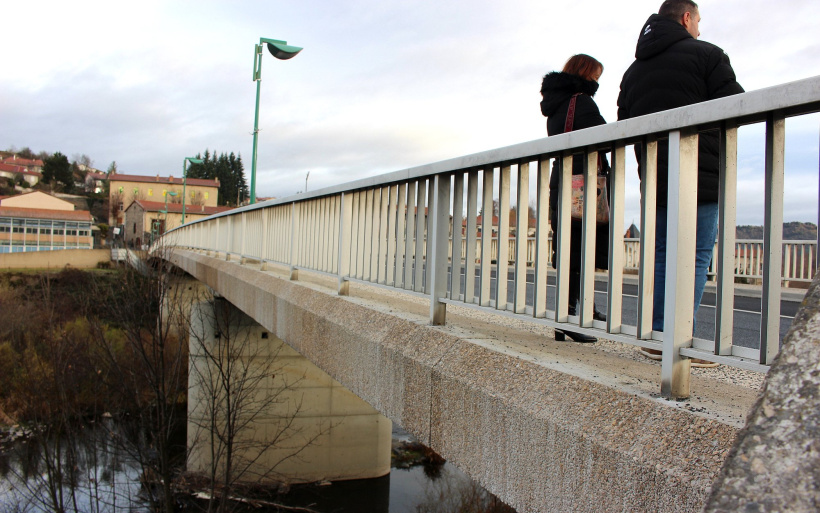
column 155, row 224
column 192, row 160
column 282, row 51
column 169, row 193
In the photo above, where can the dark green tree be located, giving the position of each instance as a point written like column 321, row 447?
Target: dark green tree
column 228, row 169
column 56, row 168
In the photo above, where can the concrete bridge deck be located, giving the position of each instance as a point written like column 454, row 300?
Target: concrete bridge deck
column 545, row 425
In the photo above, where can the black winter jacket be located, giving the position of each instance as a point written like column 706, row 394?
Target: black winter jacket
column 673, row 69
column 557, row 89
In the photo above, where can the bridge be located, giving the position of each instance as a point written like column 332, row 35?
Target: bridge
column 375, row 284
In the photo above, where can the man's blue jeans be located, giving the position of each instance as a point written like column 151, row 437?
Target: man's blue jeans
column 706, row 232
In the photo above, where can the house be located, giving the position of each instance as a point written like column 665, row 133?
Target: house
column 40, row 222
column 145, row 220
column 125, row 189
column 95, row 182
column 35, row 165
column 15, row 172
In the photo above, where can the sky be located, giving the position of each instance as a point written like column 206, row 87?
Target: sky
column 380, row 85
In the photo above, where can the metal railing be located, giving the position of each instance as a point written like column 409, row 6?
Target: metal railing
column 377, row 230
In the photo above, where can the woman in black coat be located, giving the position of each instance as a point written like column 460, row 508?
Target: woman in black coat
column 580, row 75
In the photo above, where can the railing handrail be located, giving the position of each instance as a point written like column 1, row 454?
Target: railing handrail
column 794, row 98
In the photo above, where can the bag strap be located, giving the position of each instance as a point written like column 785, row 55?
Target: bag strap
column 571, row 113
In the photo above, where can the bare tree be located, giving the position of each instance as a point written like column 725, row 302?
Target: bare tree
column 146, row 362
column 51, row 383
column 239, row 389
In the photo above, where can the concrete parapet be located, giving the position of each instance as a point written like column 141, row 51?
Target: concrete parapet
column 775, row 463
column 540, row 438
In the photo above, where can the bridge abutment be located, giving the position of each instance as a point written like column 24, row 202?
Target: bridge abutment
column 282, row 418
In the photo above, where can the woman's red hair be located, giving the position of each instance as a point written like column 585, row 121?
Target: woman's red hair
column 583, row 66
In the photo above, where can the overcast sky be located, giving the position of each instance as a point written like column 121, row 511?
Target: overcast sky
column 381, row 85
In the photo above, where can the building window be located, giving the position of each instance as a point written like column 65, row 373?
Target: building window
column 150, row 192
column 206, row 195
column 120, row 206
column 164, row 193
column 134, row 230
column 120, row 190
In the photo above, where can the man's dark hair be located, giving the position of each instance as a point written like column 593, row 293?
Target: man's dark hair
column 675, row 9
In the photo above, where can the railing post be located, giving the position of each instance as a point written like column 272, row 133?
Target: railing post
column 428, row 243
column 458, row 216
column 470, row 235
column 649, row 194
column 681, row 234
column 727, row 211
column 542, row 246
column 521, row 237
column 564, row 228
column 421, row 229
column 265, row 227
column 345, row 232
column 439, row 222
column 617, row 179
column 503, row 253
column 401, row 236
column 772, row 238
column 294, row 241
column 410, row 231
column 486, row 236
column 586, row 299
column 243, row 238
column 229, row 238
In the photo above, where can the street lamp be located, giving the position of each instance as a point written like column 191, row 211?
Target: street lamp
column 192, row 160
column 281, row 51
column 155, row 224
column 168, row 193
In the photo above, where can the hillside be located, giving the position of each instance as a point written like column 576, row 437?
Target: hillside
column 794, row 230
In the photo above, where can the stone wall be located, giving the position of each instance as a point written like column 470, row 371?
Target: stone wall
column 78, row 258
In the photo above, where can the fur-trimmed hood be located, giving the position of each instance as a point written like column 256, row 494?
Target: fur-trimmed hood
column 558, row 86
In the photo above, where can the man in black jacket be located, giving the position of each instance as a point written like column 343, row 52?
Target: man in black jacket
column 672, row 69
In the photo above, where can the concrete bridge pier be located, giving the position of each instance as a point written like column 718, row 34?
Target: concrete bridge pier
column 285, row 419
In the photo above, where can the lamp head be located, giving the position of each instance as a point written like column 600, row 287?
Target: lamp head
column 194, row 161
column 282, row 51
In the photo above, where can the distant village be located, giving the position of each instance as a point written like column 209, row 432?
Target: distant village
column 101, row 209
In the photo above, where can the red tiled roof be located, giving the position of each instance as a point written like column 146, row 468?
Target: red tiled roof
column 42, row 213
column 163, row 179
column 20, row 170
column 176, row 208
column 23, row 162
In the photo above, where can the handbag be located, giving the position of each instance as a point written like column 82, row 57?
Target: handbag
column 602, row 200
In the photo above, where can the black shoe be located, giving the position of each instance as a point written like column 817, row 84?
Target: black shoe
column 560, row 336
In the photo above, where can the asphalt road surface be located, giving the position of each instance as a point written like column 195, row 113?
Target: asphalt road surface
column 747, row 315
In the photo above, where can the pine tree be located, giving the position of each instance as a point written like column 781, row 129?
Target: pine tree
column 228, row 169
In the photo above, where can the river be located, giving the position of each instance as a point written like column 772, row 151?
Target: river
column 107, row 480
